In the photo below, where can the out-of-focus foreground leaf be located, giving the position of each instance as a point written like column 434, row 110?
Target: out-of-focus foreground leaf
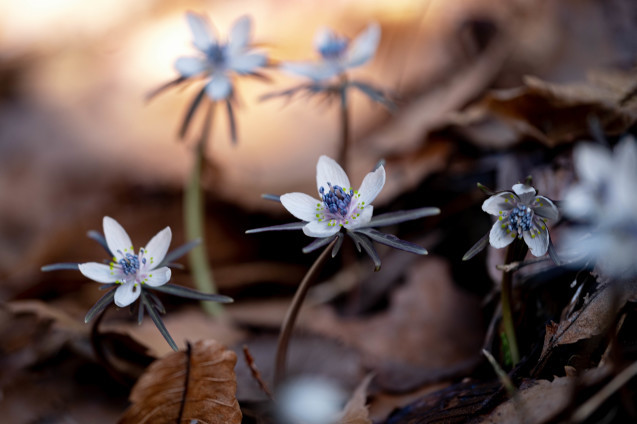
column 356, row 411
column 197, row 385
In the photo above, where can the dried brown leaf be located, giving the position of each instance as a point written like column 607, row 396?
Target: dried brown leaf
column 356, row 411
column 197, row 384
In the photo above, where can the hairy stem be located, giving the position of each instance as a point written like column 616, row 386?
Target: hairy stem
column 293, row 311
column 194, row 213
column 344, row 113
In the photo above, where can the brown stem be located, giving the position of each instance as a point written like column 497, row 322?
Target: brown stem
column 101, row 356
column 344, row 113
column 293, row 311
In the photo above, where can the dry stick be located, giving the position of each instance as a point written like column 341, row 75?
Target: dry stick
column 592, row 404
column 255, row 372
column 194, row 220
column 507, row 313
column 293, row 311
column 345, row 141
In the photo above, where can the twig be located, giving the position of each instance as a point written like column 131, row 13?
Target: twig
column 293, row 311
column 514, row 266
column 255, row 372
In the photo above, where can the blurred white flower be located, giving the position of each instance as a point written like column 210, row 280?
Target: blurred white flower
column 337, row 53
column 218, row 60
column 604, row 202
column 310, row 400
column 521, row 214
column 130, row 271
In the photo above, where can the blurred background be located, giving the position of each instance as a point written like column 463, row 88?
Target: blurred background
column 78, row 141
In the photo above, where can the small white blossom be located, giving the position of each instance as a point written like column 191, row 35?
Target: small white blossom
column 337, row 53
column 339, row 205
column 130, row 270
column 521, row 214
column 218, row 60
column 310, row 400
column 604, row 201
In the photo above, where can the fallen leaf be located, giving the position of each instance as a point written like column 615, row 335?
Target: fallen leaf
column 197, row 384
column 356, row 412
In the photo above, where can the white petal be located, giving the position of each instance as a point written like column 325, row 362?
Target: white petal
column 219, row 87
column 364, row 217
column 545, row 208
column 592, row 162
column 247, row 63
column 315, row 70
column 203, row 37
column 329, row 171
column 158, row 277
column 525, row 192
column 372, row 185
column 190, row 66
column 116, row 238
column 364, row 46
column 500, row 202
column 538, row 242
column 157, row 247
column 320, row 229
column 498, row 236
column 302, row 206
column 624, row 178
column 323, row 37
column 100, row 272
column 127, row 293
column 239, row 36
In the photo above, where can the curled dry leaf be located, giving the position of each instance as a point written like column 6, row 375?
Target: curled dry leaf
column 196, row 385
column 356, row 411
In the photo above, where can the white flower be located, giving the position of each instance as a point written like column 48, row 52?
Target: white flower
column 605, row 202
column 339, row 205
column 337, row 53
column 218, row 59
column 129, row 270
column 521, row 214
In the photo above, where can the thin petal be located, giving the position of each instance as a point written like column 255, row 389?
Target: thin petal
column 545, row 208
column 239, row 36
column 127, row 293
column 320, row 229
column 525, row 192
column 203, row 37
column 315, row 70
column 364, row 46
column 219, row 87
column 498, row 237
column 116, row 237
column 498, row 203
column 328, row 171
column 247, row 63
column 158, row 277
column 190, row 66
column 301, row 205
column 100, row 272
column 157, row 247
column 372, row 185
column 538, row 242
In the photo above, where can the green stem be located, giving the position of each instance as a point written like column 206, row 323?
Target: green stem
column 293, row 311
column 506, row 300
column 344, row 113
column 194, row 213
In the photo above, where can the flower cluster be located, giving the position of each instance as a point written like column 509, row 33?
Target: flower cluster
column 604, row 205
column 343, row 210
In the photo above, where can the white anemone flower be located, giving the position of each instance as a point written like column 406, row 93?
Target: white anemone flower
column 604, row 202
column 339, row 205
column 337, row 53
column 218, row 59
column 521, row 214
column 129, row 270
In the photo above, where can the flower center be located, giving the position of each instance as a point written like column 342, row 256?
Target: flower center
column 336, row 199
column 130, row 264
column 334, row 47
column 217, row 55
column 520, row 219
